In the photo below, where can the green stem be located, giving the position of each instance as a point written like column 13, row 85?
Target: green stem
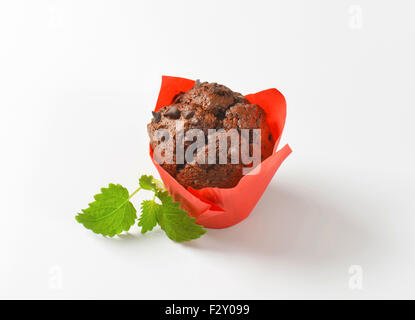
column 159, row 182
column 134, row 193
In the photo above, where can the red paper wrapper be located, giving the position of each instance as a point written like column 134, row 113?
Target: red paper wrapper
column 216, row 207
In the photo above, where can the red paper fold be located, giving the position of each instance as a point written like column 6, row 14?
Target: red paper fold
column 218, row 207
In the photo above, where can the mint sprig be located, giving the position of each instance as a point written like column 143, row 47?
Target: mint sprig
column 112, row 212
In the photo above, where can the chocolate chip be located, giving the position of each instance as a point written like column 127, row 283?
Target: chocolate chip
column 156, row 116
column 219, row 91
column 188, row 114
column 177, row 97
column 197, row 84
column 173, row 113
column 180, row 166
column 220, row 113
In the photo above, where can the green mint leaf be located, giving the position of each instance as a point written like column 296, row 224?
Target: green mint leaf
column 175, row 221
column 111, row 213
column 166, row 199
column 148, row 218
column 147, row 182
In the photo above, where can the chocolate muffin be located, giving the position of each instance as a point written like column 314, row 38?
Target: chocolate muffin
column 208, row 106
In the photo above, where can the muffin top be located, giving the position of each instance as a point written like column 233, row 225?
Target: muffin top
column 205, row 107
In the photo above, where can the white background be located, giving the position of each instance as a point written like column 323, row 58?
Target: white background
column 78, row 81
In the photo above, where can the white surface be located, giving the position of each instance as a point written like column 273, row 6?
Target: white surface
column 78, row 80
